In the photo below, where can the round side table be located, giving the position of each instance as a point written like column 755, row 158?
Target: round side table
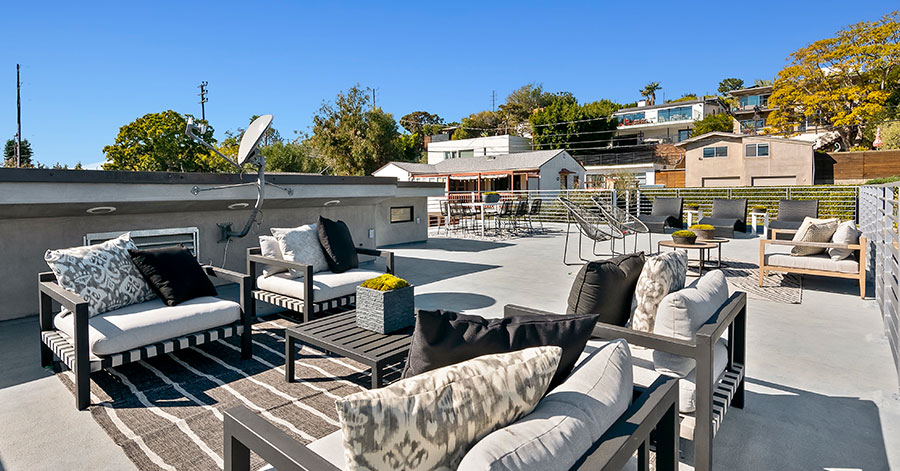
column 702, row 247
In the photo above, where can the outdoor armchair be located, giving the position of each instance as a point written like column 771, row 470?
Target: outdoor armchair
column 665, row 212
column 79, row 352
column 310, row 293
column 792, row 212
column 853, row 267
column 728, row 216
column 714, row 393
column 591, row 224
column 624, row 222
column 653, row 410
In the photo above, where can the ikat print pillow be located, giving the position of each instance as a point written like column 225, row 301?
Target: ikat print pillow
column 103, row 274
column 429, row 421
column 660, row 276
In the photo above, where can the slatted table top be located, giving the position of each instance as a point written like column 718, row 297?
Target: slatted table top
column 339, row 334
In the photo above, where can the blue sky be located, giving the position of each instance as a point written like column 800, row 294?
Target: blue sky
column 90, row 67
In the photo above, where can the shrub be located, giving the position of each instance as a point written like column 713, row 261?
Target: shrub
column 684, row 233
column 386, row 282
column 702, row 227
column 879, row 181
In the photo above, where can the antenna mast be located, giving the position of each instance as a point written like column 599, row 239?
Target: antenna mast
column 18, row 119
column 203, row 99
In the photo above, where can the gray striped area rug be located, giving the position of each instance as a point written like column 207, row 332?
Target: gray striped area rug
column 166, row 412
column 784, row 288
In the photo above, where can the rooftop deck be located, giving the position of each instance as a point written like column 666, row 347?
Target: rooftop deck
column 821, row 387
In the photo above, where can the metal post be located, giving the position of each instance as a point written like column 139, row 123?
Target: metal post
column 18, row 119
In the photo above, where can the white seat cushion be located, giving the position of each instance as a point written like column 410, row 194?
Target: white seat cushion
column 568, row 421
column 331, row 447
column 645, row 373
column 821, row 262
column 326, row 285
column 150, row 322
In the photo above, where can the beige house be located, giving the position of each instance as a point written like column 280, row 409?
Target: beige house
column 720, row 159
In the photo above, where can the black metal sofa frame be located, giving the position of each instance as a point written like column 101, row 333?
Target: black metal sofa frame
column 75, row 352
column 714, row 395
column 654, row 409
column 255, row 259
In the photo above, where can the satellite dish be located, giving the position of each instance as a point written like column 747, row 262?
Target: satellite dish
column 248, row 151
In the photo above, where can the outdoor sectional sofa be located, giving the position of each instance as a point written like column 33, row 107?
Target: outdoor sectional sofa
column 853, row 267
column 717, row 381
column 590, row 400
column 327, row 290
column 136, row 332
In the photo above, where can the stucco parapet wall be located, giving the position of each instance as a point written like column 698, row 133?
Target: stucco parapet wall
column 29, row 193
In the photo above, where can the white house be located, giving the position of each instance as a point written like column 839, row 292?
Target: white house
column 666, row 123
column 476, row 147
column 534, row 170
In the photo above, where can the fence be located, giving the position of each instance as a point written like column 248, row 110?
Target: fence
column 879, row 211
column 834, row 201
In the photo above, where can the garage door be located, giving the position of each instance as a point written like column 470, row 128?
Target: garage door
column 717, row 182
column 774, row 181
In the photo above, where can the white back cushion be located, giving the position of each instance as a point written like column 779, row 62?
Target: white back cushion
column 568, row 421
column 846, row 233
column 681, row 314
column 268, row 246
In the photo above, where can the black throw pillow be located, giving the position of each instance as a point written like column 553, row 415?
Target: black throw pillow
column 606, row 287
column 443, row 338
column 337, row 243
column 173, row 273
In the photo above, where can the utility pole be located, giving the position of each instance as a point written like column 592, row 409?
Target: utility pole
column 18, row 119
column 493, row 100
column 203, row 99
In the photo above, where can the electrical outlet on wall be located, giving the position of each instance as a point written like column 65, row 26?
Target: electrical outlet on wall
column 371, row 233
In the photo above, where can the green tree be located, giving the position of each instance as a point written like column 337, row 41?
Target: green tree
column 713, row 123
column 729, row 84
column 482, row 124
column 565, row 124
column 762, row 83
column 421, row 122
column 685, row 97
column 844, row 81
column 9, row 154
column 352, row 137
column 523, row 102
column 890, row 135
column 297, row 157
column 649, row 92
column 158, row 142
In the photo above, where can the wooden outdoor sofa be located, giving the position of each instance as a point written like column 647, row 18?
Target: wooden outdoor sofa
column 853, row 267
column 327, row 290
column 715, row 393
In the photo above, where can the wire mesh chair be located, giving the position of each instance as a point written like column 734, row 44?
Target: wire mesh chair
column 627, row 223
column 592, row 225
column 506, row 212
column 521, row 213
column 535, row 210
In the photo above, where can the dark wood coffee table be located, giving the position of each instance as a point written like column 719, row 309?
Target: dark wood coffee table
column 702, row 247
column 339, row 334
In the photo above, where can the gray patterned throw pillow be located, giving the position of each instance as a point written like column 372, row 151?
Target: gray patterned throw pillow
column 815, row 232
column 301, row 244
column 429, row 421
column 102, row 274
column 660, row 276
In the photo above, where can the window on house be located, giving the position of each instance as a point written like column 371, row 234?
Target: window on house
column 683, row 134
column 401, row 214
column 756, row 150
column 681, row 113
column 718, row 151
column 467, row 153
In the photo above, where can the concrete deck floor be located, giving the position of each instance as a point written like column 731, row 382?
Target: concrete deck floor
column 821, row 387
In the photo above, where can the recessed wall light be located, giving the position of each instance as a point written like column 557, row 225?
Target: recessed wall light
column 332, row 202
column 238, row 205
column 101, row 210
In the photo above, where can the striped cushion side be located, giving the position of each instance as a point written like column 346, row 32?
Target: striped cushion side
column 296, row 305
column 64, row 348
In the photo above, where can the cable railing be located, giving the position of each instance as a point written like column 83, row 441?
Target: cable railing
column 834, row 201
column 879, row 214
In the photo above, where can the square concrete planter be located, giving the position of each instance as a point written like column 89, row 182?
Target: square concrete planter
column 385, row 311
